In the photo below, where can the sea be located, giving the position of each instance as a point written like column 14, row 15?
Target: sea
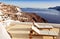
column 51, row 15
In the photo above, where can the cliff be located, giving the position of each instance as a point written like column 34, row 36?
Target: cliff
column 14, row 13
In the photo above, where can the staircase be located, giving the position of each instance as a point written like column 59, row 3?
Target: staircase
column 21, row 31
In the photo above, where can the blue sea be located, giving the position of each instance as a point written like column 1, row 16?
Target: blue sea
column 51, row 15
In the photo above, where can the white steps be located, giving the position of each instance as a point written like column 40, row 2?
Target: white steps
column 21, row 31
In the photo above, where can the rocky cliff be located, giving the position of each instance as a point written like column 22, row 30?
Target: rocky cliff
column 15, row 13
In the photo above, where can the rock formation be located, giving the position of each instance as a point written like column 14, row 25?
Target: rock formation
column 15, row 13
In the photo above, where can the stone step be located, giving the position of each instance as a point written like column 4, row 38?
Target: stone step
column 35, row 37
column 20, row 38
column 19, row 32
column 19, row 27
column 20, row 35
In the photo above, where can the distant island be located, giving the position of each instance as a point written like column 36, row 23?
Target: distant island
column 56, row 8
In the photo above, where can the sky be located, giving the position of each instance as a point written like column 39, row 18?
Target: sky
column 33, row 3
column 30, row 0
